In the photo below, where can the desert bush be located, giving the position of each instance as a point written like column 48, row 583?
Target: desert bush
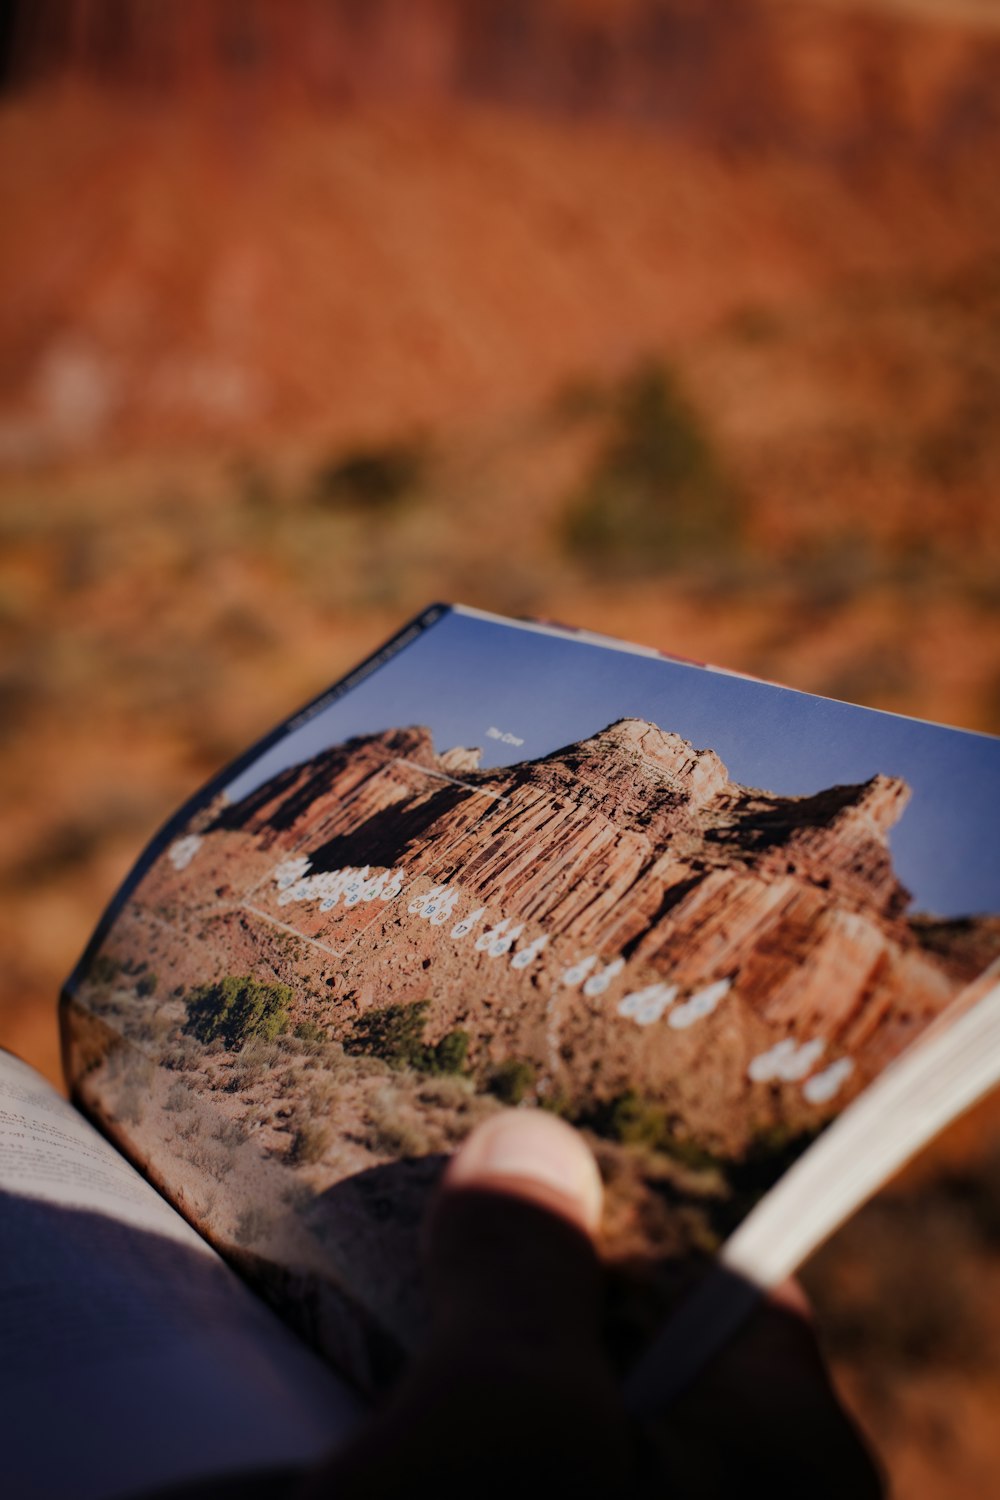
column 658, row 493
column 450, row 1053
column 178, row 1096
column 147, row 983
column 322, row 1093
column 103, row 969
column 395, row 1034
column 447, row 1092
column 261, row 1054
column 628, row 1119
column 215, row 1161
column 558, row 1102
column 230, row 1133
column 249, row 1065
column 375, row 477
column 253, row 1224
column 309, row 1142
column 238, row 1079
column 393, row 1129
column 160, row 1028
column 634, row 1121
column 236, row 1010
column 311, row 1031
column 510, row 1080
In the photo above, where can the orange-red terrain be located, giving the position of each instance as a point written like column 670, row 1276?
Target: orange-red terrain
column 451, row 232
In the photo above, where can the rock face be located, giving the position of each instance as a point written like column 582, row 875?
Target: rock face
column 619, row 913
column 847, row 81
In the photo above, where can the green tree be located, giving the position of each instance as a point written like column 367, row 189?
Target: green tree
column 510, row 1080
column 658, row 494
column 237, row 1010
column 372, row 478
column 395, row 1033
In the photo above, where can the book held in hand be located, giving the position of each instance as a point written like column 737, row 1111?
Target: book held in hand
column 744, row 938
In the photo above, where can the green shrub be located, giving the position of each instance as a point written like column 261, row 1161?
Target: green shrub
column 311, row 1031
column 450, row 1054
column 231, row 1133
column 104, row 969
column 633, row 1121
column 371, row 477
column 510, row 1080
column 629, row 1119
column 559, row 1102
column 236, row 1010
column 395, row 1033
column 659, row 493
column 147, row 984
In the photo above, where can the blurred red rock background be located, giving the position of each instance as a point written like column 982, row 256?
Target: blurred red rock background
column 678, row 320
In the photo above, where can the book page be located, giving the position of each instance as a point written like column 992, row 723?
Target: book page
column 133, row 1357
column 696, row 915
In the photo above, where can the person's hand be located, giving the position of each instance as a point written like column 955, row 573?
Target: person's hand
column 514, row 1396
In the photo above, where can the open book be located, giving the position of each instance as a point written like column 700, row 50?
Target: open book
column 745, row 938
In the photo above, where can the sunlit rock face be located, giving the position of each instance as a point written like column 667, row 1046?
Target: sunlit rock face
column 619, row 912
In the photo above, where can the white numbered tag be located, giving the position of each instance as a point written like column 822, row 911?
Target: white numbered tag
column 462, row 928
column 646, row 1006
column 598, row 983
column 577, row 973
column 526, row 956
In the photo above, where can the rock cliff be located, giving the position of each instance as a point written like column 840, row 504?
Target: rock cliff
column 856, row 81
column 619, row 913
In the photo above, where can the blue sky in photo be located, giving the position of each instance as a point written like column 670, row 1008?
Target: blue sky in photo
column 467, row 673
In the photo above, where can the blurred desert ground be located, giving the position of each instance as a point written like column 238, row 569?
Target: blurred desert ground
column 680, row 321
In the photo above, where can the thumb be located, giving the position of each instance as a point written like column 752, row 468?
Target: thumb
column 509, row 1245
column 513, row 1390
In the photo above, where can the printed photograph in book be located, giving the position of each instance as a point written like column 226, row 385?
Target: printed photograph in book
column 693, row 914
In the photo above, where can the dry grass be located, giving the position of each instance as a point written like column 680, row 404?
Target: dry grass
column 253, row 1224
column 393, row 1128
column 310, row 1142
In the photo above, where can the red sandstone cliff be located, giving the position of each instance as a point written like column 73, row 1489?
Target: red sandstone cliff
column 340, row 221
column 636, row 858
column 848, row 79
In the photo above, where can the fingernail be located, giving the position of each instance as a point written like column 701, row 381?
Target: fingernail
column 538, row 1150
